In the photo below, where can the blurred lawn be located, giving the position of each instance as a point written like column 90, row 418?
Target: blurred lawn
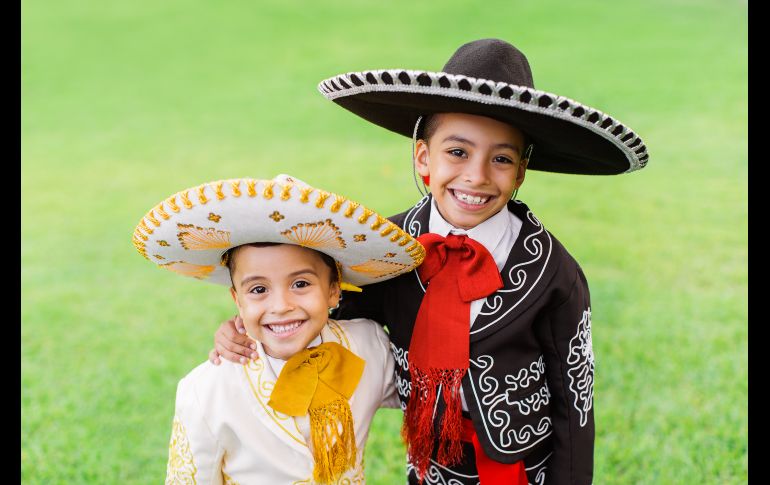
column 127, row 102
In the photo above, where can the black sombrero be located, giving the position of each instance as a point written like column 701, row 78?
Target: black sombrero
column 492, row 78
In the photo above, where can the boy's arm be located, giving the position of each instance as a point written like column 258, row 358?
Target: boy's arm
column 389, row 395
column 365, row 304
column 194, row 454
column 565, row 336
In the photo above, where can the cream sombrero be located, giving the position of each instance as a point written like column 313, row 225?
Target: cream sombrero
column 490, row 77
column 189, row 232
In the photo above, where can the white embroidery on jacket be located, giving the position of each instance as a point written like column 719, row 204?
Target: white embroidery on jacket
column 540, row 475
column 414, row 227
column 403, row 385
column 435, row 475
column 581, row 370
column 498, row 404
column 534, row 245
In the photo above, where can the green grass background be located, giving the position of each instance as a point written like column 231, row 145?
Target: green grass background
column 124, row 103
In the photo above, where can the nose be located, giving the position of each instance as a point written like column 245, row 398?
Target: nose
column 476, row 171
column 281, row 302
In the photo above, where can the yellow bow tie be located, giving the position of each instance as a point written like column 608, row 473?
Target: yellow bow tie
column 319, row 381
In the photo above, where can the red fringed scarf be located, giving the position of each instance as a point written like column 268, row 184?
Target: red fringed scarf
column 459, row 271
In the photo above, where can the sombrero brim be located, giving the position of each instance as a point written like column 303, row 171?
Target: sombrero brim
column 569, row 137
column 189, row 231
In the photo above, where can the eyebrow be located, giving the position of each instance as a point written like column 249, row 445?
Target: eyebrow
column 460, row 139
column 251, row 278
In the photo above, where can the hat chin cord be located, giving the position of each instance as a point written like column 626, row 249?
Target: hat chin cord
column 424, row 189
column 525, row 161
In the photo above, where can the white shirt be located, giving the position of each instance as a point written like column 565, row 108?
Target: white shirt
column 497, row 234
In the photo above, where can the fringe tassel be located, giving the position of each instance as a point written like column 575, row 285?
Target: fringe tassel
column 333, row 439
column 418, row 429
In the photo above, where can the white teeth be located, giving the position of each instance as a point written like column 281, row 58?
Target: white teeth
column 470, row 199
column 284, row 328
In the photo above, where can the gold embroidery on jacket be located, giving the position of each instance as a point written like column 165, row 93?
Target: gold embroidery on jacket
column 181, row 466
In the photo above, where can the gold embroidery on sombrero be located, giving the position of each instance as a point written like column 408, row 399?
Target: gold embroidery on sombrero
column 171, row 201
column 197, row 238
column 304, row 194
column 250, row 187
column 389, row 255
column 338, row 201
column 321, row 234
column 185, row 199
column 322, row 196
column 276, row 216
column 144, row 226
column 161, row 212
column 188, row 269
column 379, row 222
column 151, row 217
column 214, row 217
column 268, row 192
column 181, row 465
column 359, row 237
column 161, row 242
column 352, row 206
column 377, row 269
column 286, row 191
column 217, row 186
column 158, row 256
column 139, row 245
column 201, row 194
column 235, row 188
column 388, row 229
column 365, row 216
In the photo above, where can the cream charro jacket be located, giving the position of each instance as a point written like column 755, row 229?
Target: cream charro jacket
column 224, row 432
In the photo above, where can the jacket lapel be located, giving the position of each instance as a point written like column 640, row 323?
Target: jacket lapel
column 260, row 381
column 526, row 274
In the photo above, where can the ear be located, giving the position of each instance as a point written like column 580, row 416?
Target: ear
column 334, row 295
column 234, row 294
column 421, row 158
column 521, row 171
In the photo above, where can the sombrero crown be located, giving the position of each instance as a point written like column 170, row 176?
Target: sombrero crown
column 492, row 78
column 190, row 231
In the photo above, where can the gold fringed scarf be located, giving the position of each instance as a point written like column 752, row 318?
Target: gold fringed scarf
column 319, row 381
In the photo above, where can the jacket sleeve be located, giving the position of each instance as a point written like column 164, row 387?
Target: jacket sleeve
column 565, row 336
column 369, row 303
column 194, row 454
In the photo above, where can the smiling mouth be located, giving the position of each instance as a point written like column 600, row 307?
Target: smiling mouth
column 284, row 329
column 474, row 200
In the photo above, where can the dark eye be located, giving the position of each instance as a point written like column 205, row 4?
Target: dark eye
column 301, row 284
column 457, row 152
column 258, row 289
column 502, row 159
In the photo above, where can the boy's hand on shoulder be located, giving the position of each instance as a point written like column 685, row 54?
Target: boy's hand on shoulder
column 232, row 343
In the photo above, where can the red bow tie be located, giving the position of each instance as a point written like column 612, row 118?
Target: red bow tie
column 458, row 270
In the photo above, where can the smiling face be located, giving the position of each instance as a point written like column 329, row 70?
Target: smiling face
column 474, row 164
column 283, row 293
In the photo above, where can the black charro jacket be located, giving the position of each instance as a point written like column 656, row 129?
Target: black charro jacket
column 529, row 386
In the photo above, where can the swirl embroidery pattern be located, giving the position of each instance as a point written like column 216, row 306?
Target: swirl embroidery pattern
column 499, row 404
column 435, row 476
column 181, row 467
column 535, row 245
column 403, row 386
column 581, row 370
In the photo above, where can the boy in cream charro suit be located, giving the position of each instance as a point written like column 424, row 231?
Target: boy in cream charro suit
column 300, row 414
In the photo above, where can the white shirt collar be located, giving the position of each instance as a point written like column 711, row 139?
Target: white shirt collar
column 489, row 233
column 277, row 364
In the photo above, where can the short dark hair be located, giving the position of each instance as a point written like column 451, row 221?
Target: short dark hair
column 229, row 260
column 430, row 123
